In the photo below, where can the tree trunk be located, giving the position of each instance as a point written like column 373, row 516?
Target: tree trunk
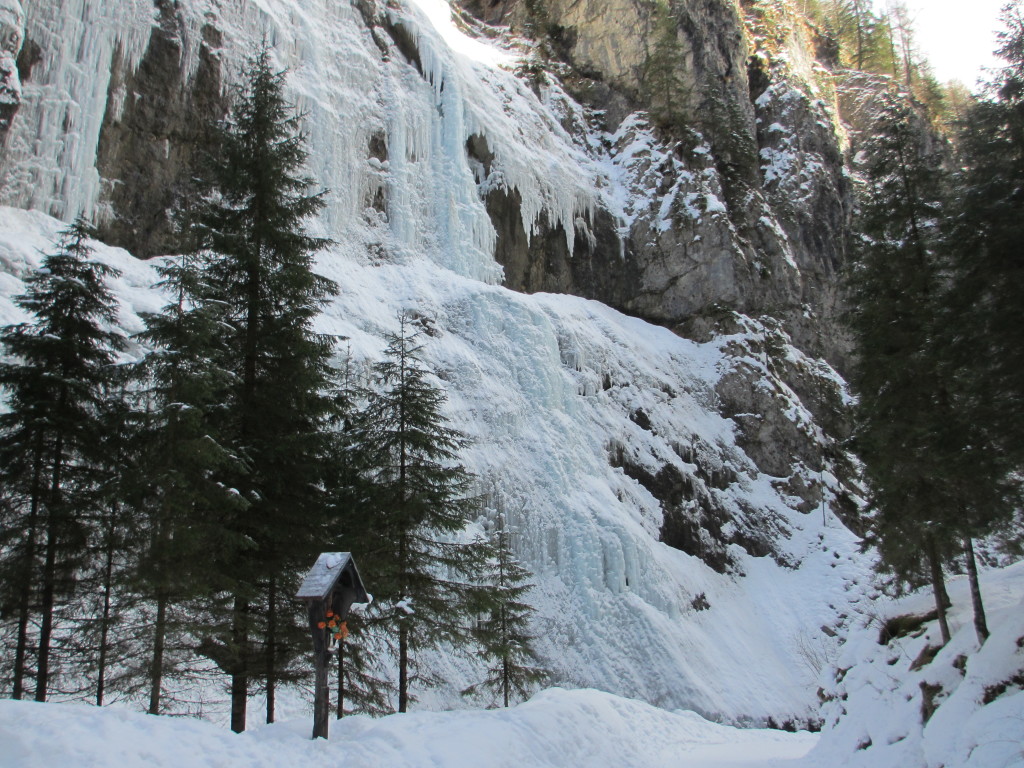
column 156, row 667
column 21, row 648
column 341, row 680
column 938, row 586
column 49, row 574
column 239, row 675
column 403, row 665
column 46, row 629
column 980, row 624
column 108, row 578
column 54, row 512
column 271, row 648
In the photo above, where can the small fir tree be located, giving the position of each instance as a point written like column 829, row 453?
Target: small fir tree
column 425, row 577
column 504, row 631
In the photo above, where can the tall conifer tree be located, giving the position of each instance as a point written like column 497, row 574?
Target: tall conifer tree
column 894, row 283
column 259, row 267
column 182, row 459
column 981, row 333
column 987, row 268
column 48, row 438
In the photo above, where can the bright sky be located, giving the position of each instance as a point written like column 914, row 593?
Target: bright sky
column 956, row 36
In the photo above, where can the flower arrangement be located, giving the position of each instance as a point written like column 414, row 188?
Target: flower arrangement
column 335, row 626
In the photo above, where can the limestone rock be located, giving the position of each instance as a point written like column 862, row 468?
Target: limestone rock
column 12, row 36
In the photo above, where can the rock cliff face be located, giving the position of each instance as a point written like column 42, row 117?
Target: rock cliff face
column 12, row 35
column 722, row 128
column 153, row 133
column 747, row 201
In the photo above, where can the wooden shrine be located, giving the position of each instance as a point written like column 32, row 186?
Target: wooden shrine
column 331, row 587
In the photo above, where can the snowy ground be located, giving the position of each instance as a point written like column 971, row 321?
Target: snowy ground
column 556, row 728
column 874, row 716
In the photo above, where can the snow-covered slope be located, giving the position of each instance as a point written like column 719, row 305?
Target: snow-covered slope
column 671, row 561
column 549, row 388
column 556, row 729
column 906, row 703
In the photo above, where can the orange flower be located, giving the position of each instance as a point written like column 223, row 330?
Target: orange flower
column 338, row 636
column 343, row 630
column 330, row 614
column 322, row 624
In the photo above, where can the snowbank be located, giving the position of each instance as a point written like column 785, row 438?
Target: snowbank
column 556, row 728
column 907, row 704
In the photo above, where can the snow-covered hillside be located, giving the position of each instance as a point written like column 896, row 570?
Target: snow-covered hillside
column 549, row 388
column 556, row 729
column 898, row 700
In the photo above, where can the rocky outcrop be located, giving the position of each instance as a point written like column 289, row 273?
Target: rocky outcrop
column 749, row 200
column 154, row 127
column 12, row 36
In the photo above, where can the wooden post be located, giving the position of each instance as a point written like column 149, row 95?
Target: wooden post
column 332, row 584
column 321, row 654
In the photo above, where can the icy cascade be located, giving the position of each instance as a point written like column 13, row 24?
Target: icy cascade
column 552, row 389
column 350, row 91
column 49, row 159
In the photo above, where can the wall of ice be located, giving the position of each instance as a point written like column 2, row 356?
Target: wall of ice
column 348, row 90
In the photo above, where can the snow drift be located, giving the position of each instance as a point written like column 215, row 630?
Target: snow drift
column 557, row 728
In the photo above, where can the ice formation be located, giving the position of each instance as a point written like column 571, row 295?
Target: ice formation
column 548, row 386
column 545, row 386
column 12, row 34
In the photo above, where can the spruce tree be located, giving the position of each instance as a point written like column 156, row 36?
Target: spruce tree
column 894, row 282
column 981, row 334
column 182, row 460
column 362, row 682
column 48, row 437
column 276, row 411
column 986, row 269
column 104, row 637
column 503, row 632
column 426, row 579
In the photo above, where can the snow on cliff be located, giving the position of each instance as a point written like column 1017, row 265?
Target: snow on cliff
column 575, row 409
column 549, row 387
